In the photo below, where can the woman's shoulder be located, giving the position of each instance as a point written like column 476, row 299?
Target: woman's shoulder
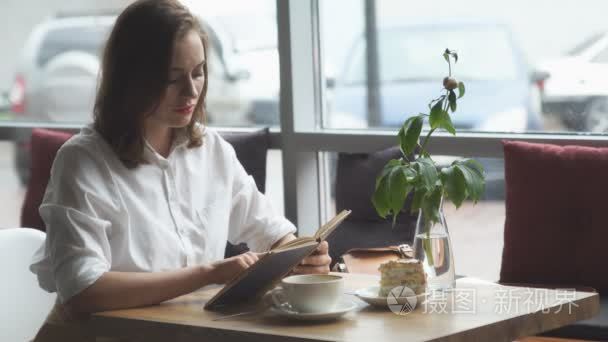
column 86, row 145
column 214, row 149
column 213, row 140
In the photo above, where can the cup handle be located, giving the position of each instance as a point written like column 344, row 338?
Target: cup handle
column 278, row 297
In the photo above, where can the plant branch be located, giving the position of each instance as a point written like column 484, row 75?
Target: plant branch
column 426, row 140
column 449, row 67
column 428, row 136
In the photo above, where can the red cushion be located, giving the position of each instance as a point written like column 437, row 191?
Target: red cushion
column 556, row 226
column 44, row 146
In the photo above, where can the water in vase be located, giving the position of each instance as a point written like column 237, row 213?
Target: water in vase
column 436, row 255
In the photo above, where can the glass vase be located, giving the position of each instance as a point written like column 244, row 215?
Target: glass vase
column 432, row 246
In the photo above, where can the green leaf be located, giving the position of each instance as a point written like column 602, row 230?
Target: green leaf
column 392, row 188
column 403, row 145
column 439, row 118
column 398, row 190
column 446, row 55
column 417, row 200
column 455, row 57
column 437, row 108
column 440, row 98
column 474, row 180
column 381, row 196
column 475, row 165
column 409, row 134
column 410, row 173
column 427, row 173
column 461, row 89
column 452, row 100
column 455, row 185
column 431, row 203
column 380, row 199
column 388, row 167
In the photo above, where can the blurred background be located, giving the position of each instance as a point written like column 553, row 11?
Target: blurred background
column 538, row 67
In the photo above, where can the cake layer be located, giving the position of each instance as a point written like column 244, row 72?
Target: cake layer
column 402, row 272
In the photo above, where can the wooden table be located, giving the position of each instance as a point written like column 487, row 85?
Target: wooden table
column 492, row 313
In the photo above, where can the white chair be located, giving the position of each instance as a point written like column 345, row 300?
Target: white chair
column 23, row 304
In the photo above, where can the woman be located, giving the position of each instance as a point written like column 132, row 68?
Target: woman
column 141, row 203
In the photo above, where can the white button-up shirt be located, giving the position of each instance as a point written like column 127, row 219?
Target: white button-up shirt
column 167, row 214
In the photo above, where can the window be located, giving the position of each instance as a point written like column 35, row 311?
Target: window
column 514, row 60
column 519, row 86
column 51, row 61
column 60, row 54
column 408, row 74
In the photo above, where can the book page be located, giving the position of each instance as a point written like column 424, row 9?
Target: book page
column 293, row 243
column 326, row 230
column 322, row 233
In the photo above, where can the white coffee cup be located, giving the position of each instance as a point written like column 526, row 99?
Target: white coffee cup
column 309, row 293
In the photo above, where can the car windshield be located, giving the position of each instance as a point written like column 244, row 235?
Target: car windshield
column 74, row 38
column 579, row 48
column 487, row 54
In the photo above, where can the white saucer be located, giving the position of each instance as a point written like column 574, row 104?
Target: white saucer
column 343, row 307
column 370, row 296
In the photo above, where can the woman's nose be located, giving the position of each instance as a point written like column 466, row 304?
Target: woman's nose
column 189, row 88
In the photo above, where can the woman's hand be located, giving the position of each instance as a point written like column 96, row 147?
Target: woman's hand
column 317, row 262
column 224, row 270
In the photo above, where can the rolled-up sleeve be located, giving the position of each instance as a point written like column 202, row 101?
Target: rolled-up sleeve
column 253, row 219
column 78, row 200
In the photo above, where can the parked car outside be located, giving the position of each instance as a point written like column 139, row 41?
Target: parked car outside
column 502, row 94
column 576, row 90
column 5, row 104
column 255, row 51
column 56, row 78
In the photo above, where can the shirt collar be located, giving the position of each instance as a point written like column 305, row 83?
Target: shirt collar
column 180, row 139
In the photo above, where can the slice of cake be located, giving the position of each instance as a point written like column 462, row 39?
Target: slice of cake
column 402, row 272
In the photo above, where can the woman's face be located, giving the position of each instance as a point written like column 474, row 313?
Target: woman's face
column 186, row 79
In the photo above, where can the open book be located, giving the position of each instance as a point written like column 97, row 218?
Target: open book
column 272, row 266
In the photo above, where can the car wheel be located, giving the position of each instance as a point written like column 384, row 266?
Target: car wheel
column 596, row 120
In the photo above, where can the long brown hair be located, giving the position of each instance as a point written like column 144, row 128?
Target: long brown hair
column 135, row 73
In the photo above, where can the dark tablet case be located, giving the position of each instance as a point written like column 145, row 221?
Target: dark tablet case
column 262, row 276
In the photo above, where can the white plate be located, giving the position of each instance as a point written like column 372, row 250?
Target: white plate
column 370, row 296
column 343, row 307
